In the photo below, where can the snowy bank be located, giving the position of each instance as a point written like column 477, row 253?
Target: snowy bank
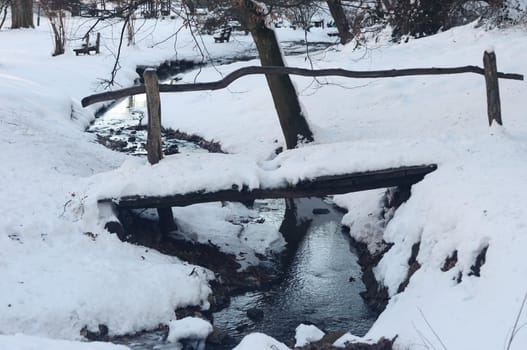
column 62, row 271
column 24, row 342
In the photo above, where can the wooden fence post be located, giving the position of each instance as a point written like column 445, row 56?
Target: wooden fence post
column 97, row 43
column 154, row 142
column 493, row 91
column 153, row 102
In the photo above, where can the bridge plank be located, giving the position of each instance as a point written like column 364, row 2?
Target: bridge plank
column 321, row 186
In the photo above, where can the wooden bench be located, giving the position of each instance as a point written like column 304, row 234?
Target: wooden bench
column 223, row 35
column 86, row 48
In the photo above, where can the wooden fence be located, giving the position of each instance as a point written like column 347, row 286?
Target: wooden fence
column 152, row 89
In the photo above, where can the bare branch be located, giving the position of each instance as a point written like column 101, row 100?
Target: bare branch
column 116, row 65
column 515, row 328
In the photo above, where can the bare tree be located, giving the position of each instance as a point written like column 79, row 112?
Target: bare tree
column 22, row 14
column 54, row 10
column 292, row 120
column 301, row 14
column 341, row 21
column 4, row 5
column 425, row 17
column 130, row 29
column 128, row 11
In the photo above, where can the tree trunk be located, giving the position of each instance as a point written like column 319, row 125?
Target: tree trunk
column 56, row 18
column 4, row 13
column 190, row 6
column 22, row 14
column 59, row 34
column 341, row 21
column 131, row 30
column 292, row 120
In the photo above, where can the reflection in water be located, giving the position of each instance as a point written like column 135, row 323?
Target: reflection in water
column 123, row 128
column 316, row 287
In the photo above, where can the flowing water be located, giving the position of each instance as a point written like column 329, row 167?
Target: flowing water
column 321, row 284
column 321, row 278
column 122, row 127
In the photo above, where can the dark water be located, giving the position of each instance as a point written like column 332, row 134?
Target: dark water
column 316, row 287
column 123, row 128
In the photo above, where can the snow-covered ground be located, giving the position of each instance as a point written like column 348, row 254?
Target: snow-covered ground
column 61, row 271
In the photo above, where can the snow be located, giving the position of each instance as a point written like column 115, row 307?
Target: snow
column 350, row 338
column 187, row 173
column 363, row 219
column 188, row 328
column 259, row 341
column 223, row 227
column 25, row 342
column 305, row 334
column 61, row 271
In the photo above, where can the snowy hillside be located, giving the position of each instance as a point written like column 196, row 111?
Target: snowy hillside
column 61, row 271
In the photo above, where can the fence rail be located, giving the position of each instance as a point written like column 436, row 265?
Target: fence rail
column 255, row 70
column 152, row 88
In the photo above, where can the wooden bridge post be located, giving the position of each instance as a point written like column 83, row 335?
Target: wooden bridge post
column 154, row 142
column 493, row 91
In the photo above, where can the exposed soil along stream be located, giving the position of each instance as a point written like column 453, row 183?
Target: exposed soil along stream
column 316, row 280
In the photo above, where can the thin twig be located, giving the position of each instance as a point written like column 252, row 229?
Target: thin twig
column 516, row 321
column 426, row 343
column 432, row 329
column 116, row 65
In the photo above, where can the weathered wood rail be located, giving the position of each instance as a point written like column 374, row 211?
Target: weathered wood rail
column 318, row 187
column 489, row 71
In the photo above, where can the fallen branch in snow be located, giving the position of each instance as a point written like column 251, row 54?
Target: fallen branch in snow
column 432, row 329
column 254, row 70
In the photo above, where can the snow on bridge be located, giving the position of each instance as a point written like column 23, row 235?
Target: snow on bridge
column 317, row 170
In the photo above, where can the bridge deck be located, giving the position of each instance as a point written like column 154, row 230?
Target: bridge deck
column 321, row 186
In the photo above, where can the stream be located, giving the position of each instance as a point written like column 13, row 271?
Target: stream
column 320, row 286
column 320, row 279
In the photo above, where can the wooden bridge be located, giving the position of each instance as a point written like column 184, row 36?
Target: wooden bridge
column 318, row 187
column 321, row 186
